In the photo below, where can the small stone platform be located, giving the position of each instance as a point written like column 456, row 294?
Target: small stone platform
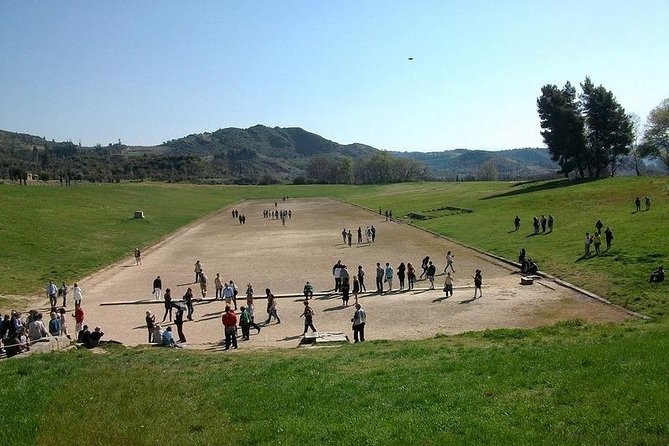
column 323, row 339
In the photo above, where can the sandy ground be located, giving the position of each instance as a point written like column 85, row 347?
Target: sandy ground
column 269, row 254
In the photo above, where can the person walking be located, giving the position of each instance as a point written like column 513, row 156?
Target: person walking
column 203, row 284
column 251, row 309
column 138, row 257
column 157, row 287
column 356, row 288
column 411, row 275
column 431, row 272
column 587, row 242
column 423, row 264
column 229, row 320
column 361, row 279
column 516, row 223
column 188, row 299
column 599, row 225
column 608, row 235
column 77, row 295
column 401, row 274
column 179, row 322
column 448, row 285
column 150, row 323
column 379, row 278
column 389, row 276
column 168, row 304
column 450, row 258
column 271, row 307
column 359, row 320
column 308, row 315
column 478, row 283
column 245, row 323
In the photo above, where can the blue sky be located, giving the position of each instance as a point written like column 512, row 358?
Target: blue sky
column 150, row 71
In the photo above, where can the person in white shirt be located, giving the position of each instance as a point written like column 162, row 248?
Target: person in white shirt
column 52, row 293
column 77, row 295
column 228, row 293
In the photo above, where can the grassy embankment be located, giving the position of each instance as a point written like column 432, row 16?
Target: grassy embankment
column 570, row 384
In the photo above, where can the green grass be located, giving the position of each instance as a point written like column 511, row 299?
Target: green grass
column 568, row 384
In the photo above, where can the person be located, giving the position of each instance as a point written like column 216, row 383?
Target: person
column 543, row 223
column 359, row 235
column 94, row 337
column 52, row 292
column 401, row 274
column 516, row 222
column 349, row 237
column 449, row 261
column 587, row 241
column 251, row 309
column 227, row 293
column 336, row 272
column 411, row 275
column 235, row 292
column 203, row 284
column 271, row 307
column 599, row 225
column 343, row 235
column 150, row 323
column 521, row 256
column 54, row 324
column 608, row 236
column 423, row 265
column 249, row 294
column 62, row 292
column 138, row 257
column 431, row 271
column 188, row 299
column 551, row 221
column 368, row 235
column 63, row 322
column 245, row 323
column 179, row 322
column 77, row 295
column 22, row 342
column 356, row 288
column 647, row 201
column 168, row 338
column 361, row 278
column 84, row 335
column 308, row 315
column 345, row 285
column 36, row 329
column 308, row 290
column 657, row 275
column 448, row 284
column 373, row 231
column 168, row 304
column 637, row 203
column 157, row 287
column 359, row 320
column 379, row 278
column 535, row 224
column 478, row 283
column 219, row 286
column 597, row 241
column 157, row 335
column 388, row 276
column 198, row 270
column 229, row 320
column 78, row 319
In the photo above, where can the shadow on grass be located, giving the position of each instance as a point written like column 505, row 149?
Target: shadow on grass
column 555, row 184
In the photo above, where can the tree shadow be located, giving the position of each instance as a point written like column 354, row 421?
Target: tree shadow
column 554, row 184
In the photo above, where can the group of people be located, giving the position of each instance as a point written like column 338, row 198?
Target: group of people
column 55, row 292
column 543, row 224
column 594, row 239
column 637, row 203
column 238, row 216
column 369, row 234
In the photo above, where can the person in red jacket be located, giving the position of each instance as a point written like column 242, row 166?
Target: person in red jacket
column 229, row 320
column 78, row 319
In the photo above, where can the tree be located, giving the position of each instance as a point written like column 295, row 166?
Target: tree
column 608, row 129
column 656, row 136
column 562, row 126
column 636, row 151
column 487, row 171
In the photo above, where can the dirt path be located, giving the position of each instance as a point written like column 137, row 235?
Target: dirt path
column 269, row 254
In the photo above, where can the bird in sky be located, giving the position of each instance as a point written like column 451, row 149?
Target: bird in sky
column 410, row 58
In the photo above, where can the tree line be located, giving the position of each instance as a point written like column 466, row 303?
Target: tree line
column 377, row 169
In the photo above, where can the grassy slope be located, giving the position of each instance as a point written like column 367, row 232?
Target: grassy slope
column 570, row 384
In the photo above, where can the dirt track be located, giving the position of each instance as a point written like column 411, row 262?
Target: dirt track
column 282, row 258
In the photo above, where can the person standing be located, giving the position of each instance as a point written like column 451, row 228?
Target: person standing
column 271, row 307
column 449, row 261
column 198, row 270
column 349, row 237
column 245, row 323
column 599, row 225
column 168, row 304
column 229, row 320
column 379, row 278
column 356, row 288
column 637, row 203
column 219, row 286
column 431, row 271
column 359, row 320
column 535, row 224
column 62, row 314
column 157, row 287
column 343, row 235
column 77, row 295
column 345, row 285
column 478, row 283
column 361, row 278
column 78, row 319
column 373, row 230
column 150, row 323
column 401, row 274
column 188, row 299
column 249, row 294
column 138, row 257
column 597, row 241
column 62, row 291
column 52, row 293
column 543, row 223
column 227, row 293
column 587, row 241
column 448, row 285
column 54, row 324
column 235, row 292
column 336, row 272
column 179, row 322
column 389, row 276
column 647, row 200
column 551, row 221
column 308, row 315
column 203, row 284
column 359, row 235
column 608, row 235
column 411, row 275
column 516, row 222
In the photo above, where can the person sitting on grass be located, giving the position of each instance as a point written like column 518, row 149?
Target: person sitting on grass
column 94, row 338
column 657, row 276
